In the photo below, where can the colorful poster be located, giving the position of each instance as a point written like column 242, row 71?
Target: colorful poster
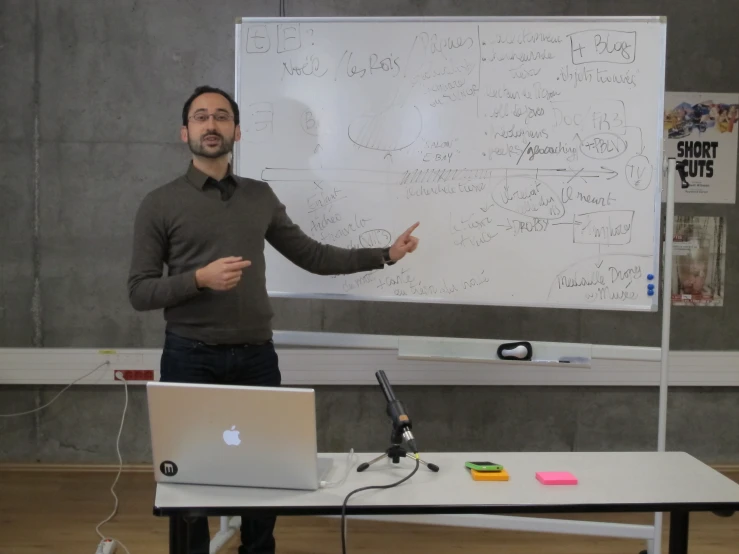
column 701, row 134
column 698, row 261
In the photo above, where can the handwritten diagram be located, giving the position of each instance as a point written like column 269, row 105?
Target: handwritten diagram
column 527, row 150
column 393, row 129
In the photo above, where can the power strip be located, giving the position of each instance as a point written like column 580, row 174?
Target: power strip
column 107, row 546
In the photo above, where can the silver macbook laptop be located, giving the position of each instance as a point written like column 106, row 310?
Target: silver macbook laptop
column 235, row 435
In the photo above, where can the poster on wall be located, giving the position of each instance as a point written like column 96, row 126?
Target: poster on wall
column 701, row 132
column 698, row 261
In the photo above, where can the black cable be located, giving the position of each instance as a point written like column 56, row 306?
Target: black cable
column 343, row 506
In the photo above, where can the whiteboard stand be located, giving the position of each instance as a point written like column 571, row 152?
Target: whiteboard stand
column 261, row 154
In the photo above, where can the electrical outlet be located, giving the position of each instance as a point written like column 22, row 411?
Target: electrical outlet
column 134, row 374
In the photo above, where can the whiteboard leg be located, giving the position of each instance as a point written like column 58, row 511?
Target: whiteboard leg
column 666, row 306
column 665, row 347
column 235, row 523
column 657, row 540
column 224, row 534
column 222, row 537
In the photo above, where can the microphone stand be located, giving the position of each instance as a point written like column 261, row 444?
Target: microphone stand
column 395, row 452
column 401, row 430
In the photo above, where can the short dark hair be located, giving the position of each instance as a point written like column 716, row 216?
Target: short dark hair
column 206, row 89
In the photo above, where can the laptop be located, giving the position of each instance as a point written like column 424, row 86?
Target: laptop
column 232, row 435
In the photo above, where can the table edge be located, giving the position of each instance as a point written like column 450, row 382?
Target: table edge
column 495, row 509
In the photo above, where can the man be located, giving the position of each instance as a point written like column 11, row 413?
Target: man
column 209, row 227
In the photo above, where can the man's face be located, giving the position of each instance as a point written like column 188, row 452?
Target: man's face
column 210, row 130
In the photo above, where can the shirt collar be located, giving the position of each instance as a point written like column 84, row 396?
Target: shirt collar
column 198, row 178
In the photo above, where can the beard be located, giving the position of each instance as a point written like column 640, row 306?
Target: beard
column 200, row 147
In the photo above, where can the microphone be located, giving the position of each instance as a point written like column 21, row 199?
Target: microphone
column 396, row 411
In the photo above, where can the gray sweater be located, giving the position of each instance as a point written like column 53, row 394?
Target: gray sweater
column 186, row 225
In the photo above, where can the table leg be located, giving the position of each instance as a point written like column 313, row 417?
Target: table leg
column 177, row 535
column 679, row 532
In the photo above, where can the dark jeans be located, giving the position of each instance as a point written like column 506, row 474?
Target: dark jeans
column 190, row 361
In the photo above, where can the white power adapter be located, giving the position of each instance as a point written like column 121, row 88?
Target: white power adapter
column 107, row 546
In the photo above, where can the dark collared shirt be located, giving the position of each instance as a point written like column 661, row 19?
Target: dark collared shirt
column 226, row 186
column 187, row 224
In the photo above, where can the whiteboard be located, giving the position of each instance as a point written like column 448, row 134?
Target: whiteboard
column 529, row 149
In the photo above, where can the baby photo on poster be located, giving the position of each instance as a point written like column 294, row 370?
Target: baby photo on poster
column 699, row 260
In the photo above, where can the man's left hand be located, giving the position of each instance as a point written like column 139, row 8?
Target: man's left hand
column 404, row 244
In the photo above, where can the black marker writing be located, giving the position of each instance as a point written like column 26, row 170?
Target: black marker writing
column 311, row 66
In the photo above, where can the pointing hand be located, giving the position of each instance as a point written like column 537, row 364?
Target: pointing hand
column 405, row 244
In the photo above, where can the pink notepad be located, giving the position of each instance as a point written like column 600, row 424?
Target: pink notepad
column 556, row 478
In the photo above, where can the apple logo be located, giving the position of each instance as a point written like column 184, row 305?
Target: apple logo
column 231, row 436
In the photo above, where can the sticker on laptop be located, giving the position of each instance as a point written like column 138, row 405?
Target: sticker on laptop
column 168, row 468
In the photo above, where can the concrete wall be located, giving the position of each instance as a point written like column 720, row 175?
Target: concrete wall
column 89, row 113
column 82, row 425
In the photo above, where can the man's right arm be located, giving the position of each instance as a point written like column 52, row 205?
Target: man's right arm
column 148, row 289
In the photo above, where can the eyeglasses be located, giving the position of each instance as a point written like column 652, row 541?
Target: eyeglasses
column 202, row 117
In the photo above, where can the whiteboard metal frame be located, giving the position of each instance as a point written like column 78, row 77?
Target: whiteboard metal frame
column 658, row 165
column 665, row 278
column 460, row 18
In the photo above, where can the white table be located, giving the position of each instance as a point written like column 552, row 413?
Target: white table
column 672, row 482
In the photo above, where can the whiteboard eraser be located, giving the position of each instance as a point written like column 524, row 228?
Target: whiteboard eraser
column 515, row 351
